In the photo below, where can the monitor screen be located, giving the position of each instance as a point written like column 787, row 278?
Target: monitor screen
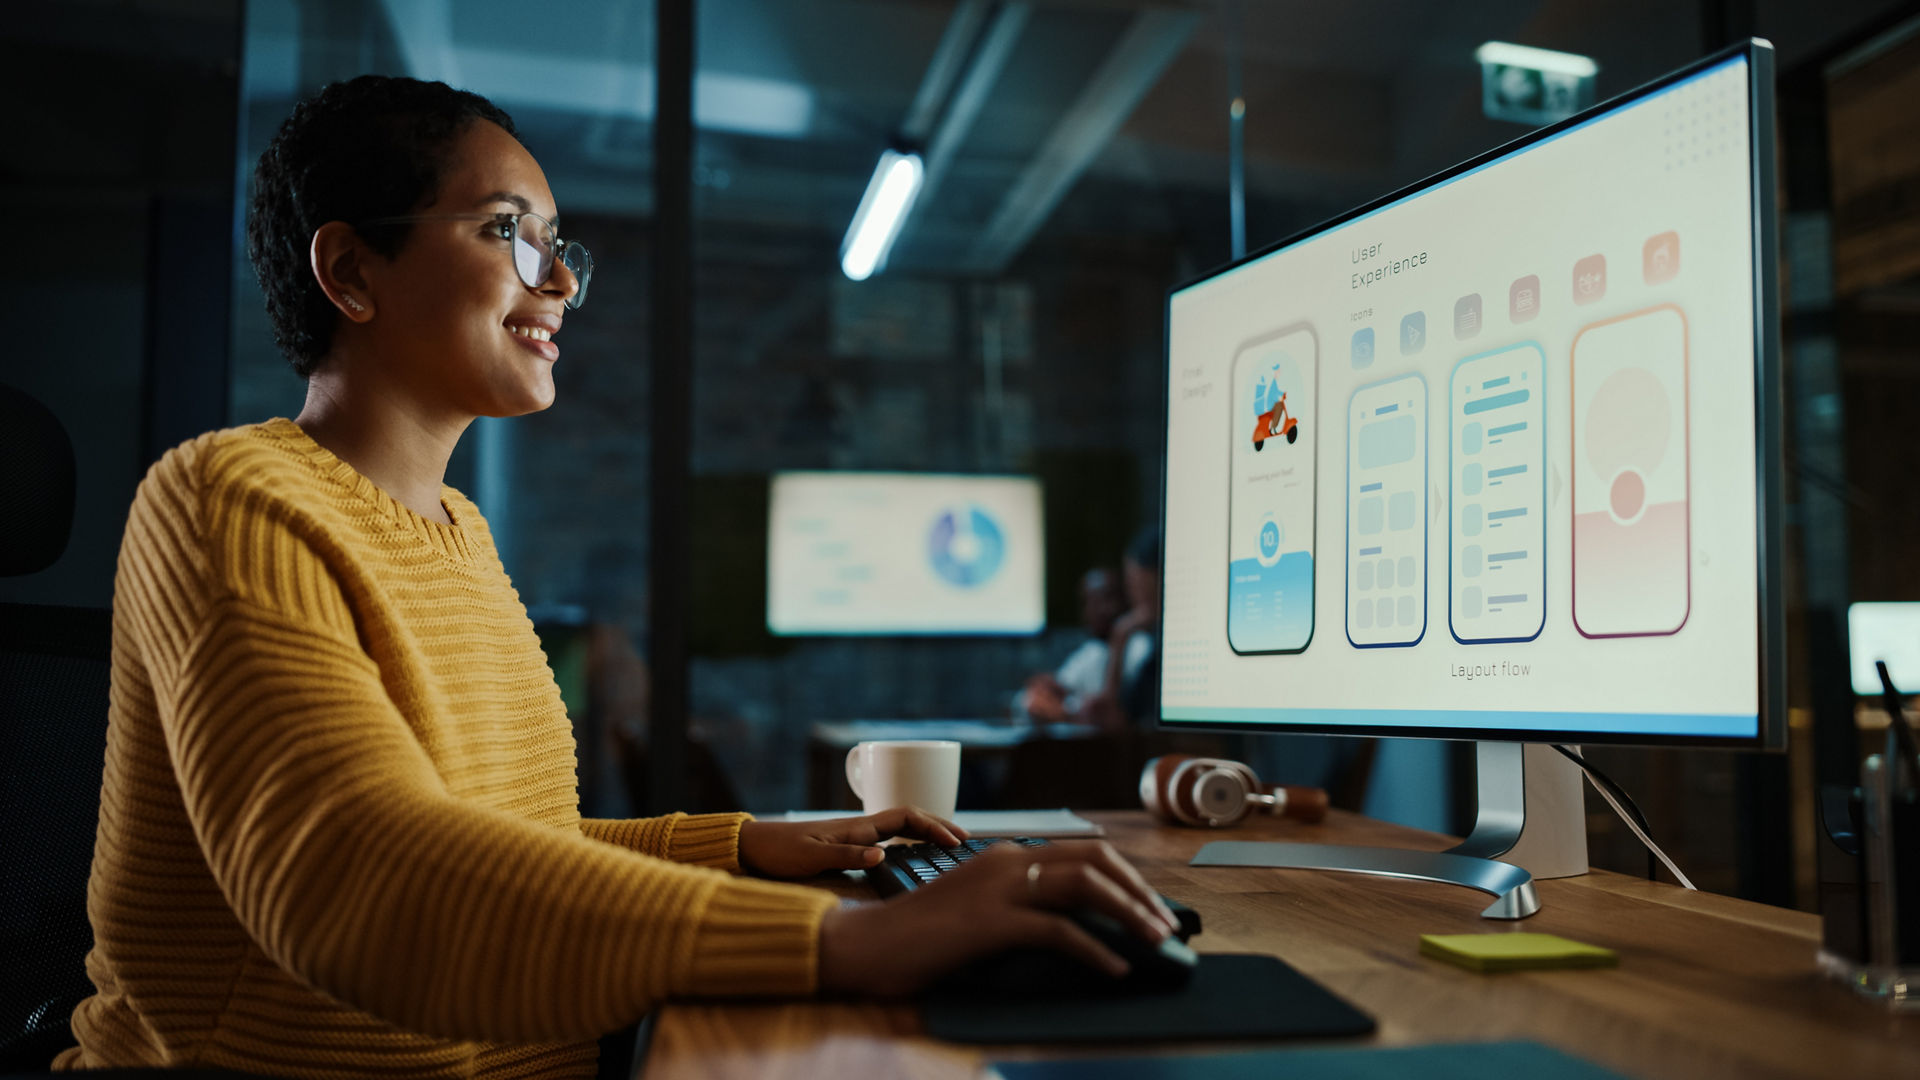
column 1887, row 632
column 904, row 553
column 1484, row 458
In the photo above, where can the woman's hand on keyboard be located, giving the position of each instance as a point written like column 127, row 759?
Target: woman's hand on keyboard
column 798, row 849
column 995, row 901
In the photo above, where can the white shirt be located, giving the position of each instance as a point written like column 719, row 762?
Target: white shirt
column 1084, row 672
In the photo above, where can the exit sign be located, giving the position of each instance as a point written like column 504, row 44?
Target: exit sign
column 1533, row 86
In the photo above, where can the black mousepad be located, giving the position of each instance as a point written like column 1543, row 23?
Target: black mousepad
column 1230, row 997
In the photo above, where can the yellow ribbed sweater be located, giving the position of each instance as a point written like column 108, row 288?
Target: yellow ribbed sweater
column 339, row 829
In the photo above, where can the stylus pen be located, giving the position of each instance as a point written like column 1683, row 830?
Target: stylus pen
column 1897, row 716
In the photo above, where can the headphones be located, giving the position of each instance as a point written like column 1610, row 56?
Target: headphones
column 1181, row 789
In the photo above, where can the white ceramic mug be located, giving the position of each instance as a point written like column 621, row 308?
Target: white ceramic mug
column 906, row 772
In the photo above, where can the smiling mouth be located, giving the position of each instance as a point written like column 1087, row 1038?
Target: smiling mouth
column 533, row 332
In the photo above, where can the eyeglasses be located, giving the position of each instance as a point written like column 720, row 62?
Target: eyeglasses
column 534, row 245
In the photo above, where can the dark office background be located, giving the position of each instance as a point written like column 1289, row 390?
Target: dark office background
column 1017, row 327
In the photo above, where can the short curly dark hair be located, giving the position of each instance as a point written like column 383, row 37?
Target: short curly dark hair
column 370, row 147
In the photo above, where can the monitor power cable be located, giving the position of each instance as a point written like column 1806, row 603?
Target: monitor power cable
column 1623, row 805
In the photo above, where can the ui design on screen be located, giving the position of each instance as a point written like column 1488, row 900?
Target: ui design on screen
column 1270, row 572
column 904, row 553
column 1484, row 455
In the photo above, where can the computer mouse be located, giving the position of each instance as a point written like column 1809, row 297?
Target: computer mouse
column 1152, row 968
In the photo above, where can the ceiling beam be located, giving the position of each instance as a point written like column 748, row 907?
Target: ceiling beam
column 949, row 61
column 1129, row 71
column 987, row 60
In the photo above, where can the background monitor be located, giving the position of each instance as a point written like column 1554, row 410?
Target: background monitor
column 904, row 553
column 1884, row 631
column 1494, row 456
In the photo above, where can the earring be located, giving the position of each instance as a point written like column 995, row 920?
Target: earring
column 352, row 303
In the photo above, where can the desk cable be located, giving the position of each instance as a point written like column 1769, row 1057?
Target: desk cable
column 1623, row 805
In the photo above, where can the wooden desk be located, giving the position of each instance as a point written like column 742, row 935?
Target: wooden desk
column 1707, row 986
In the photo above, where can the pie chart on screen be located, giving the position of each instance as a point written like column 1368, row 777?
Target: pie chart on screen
column 965, row 546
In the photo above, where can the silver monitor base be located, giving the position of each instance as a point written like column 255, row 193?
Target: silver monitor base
column 1531, row 824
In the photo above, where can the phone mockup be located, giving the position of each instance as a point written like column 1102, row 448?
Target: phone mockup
column 1387, row 514
column 1274, row 430
column 1497, row 514
column 1631, row 526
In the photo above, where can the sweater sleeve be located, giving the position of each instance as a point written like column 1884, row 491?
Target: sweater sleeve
column 700, row 839
column 327, row 827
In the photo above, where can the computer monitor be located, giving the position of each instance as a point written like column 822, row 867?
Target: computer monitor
column 1884, row 633
column 1496, row 456
column 852, row 553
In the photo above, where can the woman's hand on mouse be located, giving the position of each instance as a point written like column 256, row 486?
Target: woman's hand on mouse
column 1005, row 897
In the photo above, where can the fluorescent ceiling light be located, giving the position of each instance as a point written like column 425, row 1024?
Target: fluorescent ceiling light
column 896, row 180
column 1526, row 56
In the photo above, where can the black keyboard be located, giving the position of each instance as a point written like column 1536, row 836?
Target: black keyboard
column 909, row 866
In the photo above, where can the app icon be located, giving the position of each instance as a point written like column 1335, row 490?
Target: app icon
column 1589, row 279
column 1660, row 259
column 1523, row 299
column 1413, row 333
column 1363, row 347
column 1466, row 317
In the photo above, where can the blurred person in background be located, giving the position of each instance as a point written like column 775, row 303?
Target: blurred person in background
column 1127, row 696
column 1052, row 697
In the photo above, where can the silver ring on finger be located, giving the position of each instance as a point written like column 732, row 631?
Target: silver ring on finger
column 1033, row 882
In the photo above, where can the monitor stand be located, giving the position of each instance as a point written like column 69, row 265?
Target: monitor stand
column 1532, row 820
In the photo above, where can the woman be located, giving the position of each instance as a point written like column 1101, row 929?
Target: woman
column 339, row 831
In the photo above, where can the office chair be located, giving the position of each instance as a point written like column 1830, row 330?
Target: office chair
column 53, row 731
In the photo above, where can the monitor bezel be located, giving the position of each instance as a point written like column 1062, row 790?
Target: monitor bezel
column 1770, row 725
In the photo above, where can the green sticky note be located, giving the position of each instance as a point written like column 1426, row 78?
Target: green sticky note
column 1515, row 952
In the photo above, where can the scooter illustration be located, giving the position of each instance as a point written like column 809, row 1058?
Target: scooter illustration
column 1273, row 423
